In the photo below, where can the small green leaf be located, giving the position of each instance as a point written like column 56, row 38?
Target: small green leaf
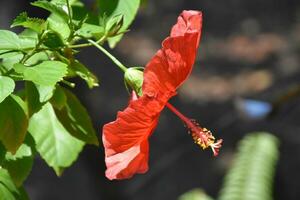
column 13, row 122
column 53, row 8
column 7, row 86
column 20, row 164
column 76, row 119
column 35, row 24
column 84, row 73
column 54, row 143
column 53, row 40
column 47, row 73
column 128, row 8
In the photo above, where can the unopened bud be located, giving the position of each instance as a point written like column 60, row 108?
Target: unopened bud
column 113, row 25
column 134, row 79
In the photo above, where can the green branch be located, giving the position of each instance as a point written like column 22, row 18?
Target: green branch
column 114, row 59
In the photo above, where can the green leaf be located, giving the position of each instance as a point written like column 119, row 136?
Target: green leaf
column 128, row 8
column 53, row 40
column 32, row 98
column 9, row 40
column 7, row 86
column 53, row 8
column 7, row 53
column 37, row 58
column 59, row 98
column 45, row 92
column 47, row 73
column 91, row 31
column 19, row 68
column 84, row 73
column 64, row 1
column 54, row 143
column 20, row 164
column 2, row 153
column 35, row 24
column 23, row 194
column 252, row 173
column 10, row 61
column 195, row 194
column 59, row 26
column 13, row 122
column 76, row 119
column 8, row 190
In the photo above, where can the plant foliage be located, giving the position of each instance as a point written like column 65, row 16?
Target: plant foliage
column 251, row 176
column 44, row 117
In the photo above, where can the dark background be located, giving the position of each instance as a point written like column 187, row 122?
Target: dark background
column 249, row 49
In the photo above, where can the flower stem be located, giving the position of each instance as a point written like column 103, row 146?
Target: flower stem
column 114, row 59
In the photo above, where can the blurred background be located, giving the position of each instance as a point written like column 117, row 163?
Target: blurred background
column 249, row 50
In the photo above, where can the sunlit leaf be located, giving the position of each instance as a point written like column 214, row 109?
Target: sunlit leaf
column 45, row 92
column 53, row 8
column 91, row 31
column 58, row 25
column 47, row 73
column 54, row 143
column 7, row 86
column 35, row 24
column 9, row 40
column 128, row 8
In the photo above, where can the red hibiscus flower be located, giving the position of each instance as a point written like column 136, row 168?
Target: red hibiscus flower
column 126, row 139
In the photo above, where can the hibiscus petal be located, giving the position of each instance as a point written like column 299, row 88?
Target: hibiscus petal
column 126, row 139
column 173, row 63
column 188, row 21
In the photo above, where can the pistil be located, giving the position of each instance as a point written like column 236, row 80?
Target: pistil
column 201, row 136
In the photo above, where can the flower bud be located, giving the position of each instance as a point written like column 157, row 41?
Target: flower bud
column 114, row 24
column 134, row 79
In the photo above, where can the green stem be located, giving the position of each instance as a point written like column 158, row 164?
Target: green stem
column 34, row 50
column 70, row 23
column 100, row 41
column 72, row 85
column 80, row 45
column 114, row 59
